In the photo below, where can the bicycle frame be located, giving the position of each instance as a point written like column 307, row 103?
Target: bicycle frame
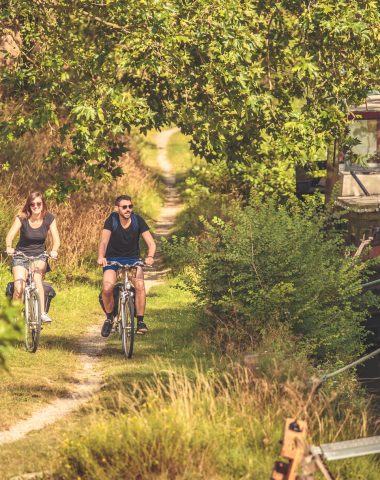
column 32, row 303
column 125, row 322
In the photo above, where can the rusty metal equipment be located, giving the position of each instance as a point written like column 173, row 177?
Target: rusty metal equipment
column 305, row 460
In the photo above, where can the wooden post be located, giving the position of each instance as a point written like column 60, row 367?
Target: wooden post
column 293, row 448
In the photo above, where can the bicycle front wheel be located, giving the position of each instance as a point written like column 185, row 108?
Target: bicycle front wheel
column 32, row 321
column 128, row 327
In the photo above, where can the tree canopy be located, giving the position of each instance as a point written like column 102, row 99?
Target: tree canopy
column 258, row 85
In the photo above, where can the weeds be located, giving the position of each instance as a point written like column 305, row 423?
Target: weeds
column 211, row 426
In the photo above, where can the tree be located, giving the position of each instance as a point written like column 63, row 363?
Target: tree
column 257, row 85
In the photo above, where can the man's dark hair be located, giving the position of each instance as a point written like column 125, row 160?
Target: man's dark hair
column 122, row 197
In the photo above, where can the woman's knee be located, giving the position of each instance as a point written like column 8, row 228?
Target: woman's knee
column 38, row 280
column 19, row 286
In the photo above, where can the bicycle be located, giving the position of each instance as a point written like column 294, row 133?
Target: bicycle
column 32, row 304
column 124, row 322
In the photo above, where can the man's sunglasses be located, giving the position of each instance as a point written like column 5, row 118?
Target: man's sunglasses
column 125, row 207
column 36, row 204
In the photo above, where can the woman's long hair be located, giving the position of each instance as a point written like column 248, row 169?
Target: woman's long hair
column 26, row 211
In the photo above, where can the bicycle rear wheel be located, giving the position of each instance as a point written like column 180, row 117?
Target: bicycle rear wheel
column 32, row 321
column 128, row 327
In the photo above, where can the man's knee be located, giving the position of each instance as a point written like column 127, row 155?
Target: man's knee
column 139, row 285
column 107, row 289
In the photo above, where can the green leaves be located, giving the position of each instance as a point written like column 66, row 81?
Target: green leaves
column 84, row 111
column 263, row 266
column 255, row 84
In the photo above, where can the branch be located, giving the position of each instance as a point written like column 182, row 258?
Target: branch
column 115, row 26
column 56, row 6
column 268, row 49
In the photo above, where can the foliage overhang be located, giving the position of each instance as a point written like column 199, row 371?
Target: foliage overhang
column 257, row 85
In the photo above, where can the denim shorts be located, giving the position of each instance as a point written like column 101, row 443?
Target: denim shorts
column 122, row 260
column 20, row 261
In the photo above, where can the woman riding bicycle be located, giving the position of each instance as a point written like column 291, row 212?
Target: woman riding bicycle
column 34, row 223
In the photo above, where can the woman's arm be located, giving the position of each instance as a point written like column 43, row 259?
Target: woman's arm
column 13, row 231
column 56, row 240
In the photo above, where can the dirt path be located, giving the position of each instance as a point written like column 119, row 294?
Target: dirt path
column 89, row 378
column 170, row 209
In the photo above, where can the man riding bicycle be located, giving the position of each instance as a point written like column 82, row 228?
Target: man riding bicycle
column 119, row 242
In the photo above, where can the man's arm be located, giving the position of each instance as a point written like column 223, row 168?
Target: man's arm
column 151, row 244
column 104, row 240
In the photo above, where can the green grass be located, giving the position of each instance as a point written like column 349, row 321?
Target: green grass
column 37, row 378
column 192, row 415
column 174, row 337
column 39, row 450
column 180, row 155
column 171, row 412
column 148, row 151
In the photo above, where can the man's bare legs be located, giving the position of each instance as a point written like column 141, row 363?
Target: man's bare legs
column 109, row 280
column 139, row 285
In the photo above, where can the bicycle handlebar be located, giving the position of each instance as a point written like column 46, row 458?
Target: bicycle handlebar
column 136, row 264
column 37, row 257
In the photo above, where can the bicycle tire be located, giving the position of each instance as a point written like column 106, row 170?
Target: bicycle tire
column 128, row 327
column 32, row 321
column 119, row 326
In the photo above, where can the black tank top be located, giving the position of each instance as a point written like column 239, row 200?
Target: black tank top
column 32, row 240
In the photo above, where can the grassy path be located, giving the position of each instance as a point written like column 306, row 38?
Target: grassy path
column 57, row 367
column 199, row 428
column 86, row 379
column 61, row 377
column 173, row 338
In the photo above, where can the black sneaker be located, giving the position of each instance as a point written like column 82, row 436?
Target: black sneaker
column 141, row 328
column 107, row 327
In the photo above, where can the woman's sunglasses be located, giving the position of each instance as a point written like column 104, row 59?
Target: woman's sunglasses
column 35, row 204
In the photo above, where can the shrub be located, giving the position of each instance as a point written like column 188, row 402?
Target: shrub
column 270, row 265
column 203, row 206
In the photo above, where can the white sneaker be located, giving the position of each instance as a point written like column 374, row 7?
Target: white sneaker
column 45, row 318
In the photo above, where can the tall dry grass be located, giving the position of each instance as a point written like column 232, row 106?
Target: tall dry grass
column 210, row 426
column 81, row 218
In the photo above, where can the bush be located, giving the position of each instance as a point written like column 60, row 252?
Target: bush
column 200, row 207
column 270, row 265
